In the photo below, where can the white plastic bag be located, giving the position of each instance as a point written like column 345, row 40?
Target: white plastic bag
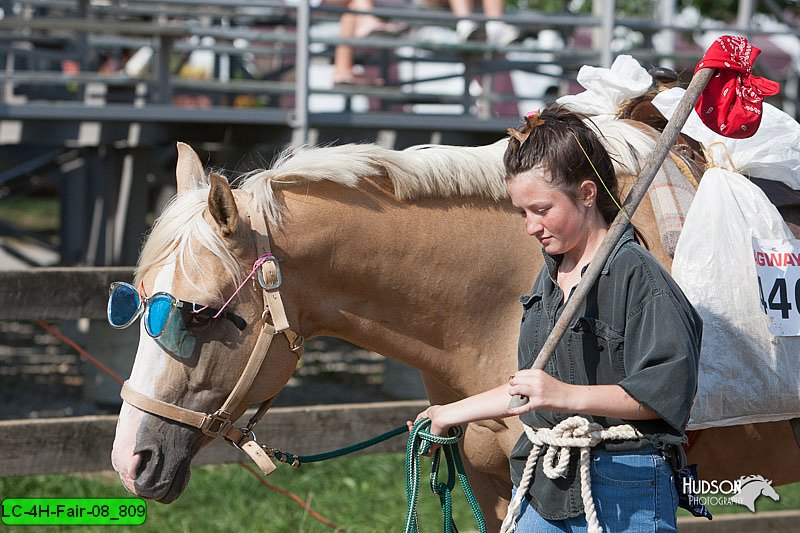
column 606, row 88
column 746, row 374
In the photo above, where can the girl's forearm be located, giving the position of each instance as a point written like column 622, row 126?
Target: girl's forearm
column 606, row 400
column 490, row 404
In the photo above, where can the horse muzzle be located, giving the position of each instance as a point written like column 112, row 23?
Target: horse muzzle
column 161, row 477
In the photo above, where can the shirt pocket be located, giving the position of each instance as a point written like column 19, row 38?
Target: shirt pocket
column 601, row 350
column 529, row 302
column 530, row 329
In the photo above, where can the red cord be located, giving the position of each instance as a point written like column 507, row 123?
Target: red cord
column 291, row 495
column 53, row 331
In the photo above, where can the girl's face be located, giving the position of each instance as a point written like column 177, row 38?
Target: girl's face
column 550, row 215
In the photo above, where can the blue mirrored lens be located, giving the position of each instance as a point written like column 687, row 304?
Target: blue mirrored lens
column 175, row 338
column 159, row 309
column 123, row 304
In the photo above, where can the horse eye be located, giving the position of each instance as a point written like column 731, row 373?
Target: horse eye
column 198, row 319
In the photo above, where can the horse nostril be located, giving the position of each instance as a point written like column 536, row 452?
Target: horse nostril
column 144, row 459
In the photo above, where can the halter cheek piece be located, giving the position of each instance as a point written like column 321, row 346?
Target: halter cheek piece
column 219, row 423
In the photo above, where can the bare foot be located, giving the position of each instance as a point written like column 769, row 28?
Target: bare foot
column 370, row 25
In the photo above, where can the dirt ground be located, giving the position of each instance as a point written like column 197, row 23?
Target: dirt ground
column 42, row 378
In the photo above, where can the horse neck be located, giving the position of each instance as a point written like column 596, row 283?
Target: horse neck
column 426, row 282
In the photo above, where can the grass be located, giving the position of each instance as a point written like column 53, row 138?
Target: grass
column 35, row 213
column 361, row 494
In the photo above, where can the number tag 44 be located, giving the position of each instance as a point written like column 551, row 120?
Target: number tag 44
column 778, row 270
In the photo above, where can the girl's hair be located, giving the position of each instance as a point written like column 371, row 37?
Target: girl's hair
column 559, row 141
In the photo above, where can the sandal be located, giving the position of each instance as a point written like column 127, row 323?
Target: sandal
column 383, row 29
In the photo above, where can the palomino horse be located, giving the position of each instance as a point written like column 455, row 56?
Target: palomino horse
column 414, row 254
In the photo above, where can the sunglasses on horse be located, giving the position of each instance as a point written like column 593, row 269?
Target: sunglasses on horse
column 166, row 319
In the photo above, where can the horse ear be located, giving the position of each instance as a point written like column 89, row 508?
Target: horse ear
column 189, row 171
column 222, row 206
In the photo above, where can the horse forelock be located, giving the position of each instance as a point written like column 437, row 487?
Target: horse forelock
column 417, row 172
column 181, row 232
column 627, row 143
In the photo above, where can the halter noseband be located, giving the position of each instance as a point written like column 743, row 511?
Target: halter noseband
column 219, row 423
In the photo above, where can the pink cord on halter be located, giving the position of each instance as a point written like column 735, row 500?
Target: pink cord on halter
column 260, row 261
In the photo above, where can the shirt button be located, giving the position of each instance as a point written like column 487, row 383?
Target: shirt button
column 600, row 347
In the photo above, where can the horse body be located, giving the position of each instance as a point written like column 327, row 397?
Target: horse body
column 430, row 278
column 398, row 278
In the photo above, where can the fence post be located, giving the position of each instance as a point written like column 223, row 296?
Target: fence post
column 744, row 14
column 666, row 12
column 299, row 118
column 606, row 10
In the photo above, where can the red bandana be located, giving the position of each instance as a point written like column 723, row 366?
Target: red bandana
column 731, row 102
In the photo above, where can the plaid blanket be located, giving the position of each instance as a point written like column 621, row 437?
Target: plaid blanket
column 671, row 194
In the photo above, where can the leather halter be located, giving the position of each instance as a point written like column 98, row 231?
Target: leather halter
column 219, row 423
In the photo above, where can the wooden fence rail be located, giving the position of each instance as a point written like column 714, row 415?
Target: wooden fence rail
column 58, row 293
column 83, row 443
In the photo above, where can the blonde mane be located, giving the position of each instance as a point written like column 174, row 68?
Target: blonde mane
column 418, row 172
column 427, row 171
column 179, row 234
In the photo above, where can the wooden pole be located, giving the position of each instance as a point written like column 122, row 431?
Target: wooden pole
column 651, row 166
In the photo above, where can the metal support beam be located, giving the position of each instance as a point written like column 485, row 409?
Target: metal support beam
column 607, row 31
column 744, row 14
column 666, row 12
column 162, row 70
column 299, row 119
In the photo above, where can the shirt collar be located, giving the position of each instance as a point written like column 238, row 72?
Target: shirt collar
column 627, row 235
column 551, row 262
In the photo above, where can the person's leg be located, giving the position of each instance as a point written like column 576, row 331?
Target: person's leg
column 343, row 55
column 461, row 8
column 493, row 8
column 365, row 23
column 634, row 491
column 357, row 26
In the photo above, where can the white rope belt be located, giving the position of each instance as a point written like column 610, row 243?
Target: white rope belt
column 574, row 432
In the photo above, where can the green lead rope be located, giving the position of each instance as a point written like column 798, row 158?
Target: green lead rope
column 419, row 443
column 297, row 460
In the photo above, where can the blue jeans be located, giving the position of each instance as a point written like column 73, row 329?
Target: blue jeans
column 632, row 491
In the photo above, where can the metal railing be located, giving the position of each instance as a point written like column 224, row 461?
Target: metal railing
column 177, row 28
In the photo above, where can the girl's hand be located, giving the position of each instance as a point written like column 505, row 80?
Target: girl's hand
column 543, row 391
column 433, row 413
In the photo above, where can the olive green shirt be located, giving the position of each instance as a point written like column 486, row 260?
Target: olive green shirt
column 635, row 329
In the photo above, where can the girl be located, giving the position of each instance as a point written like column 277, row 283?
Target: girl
column 630, row 356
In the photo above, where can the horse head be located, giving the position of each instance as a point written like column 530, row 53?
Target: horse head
column 763, row 486
column 197, row 344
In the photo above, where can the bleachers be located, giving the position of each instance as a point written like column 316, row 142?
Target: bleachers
column 117, row 82
column 245, row 54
